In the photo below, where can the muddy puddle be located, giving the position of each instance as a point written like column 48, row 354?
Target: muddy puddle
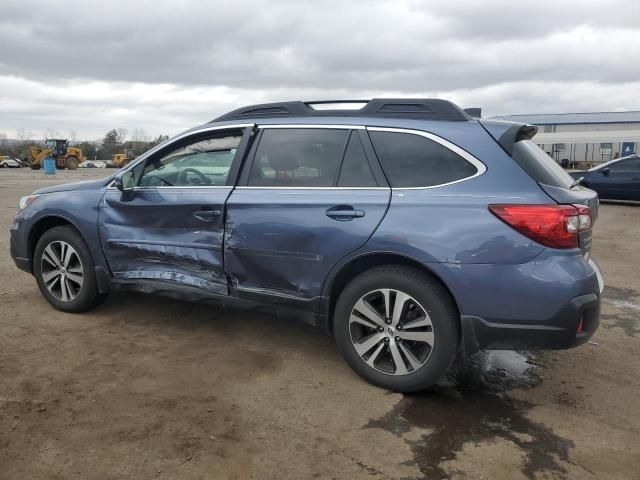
column 471, row 405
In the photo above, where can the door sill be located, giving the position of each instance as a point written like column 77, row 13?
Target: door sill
column 153, row 284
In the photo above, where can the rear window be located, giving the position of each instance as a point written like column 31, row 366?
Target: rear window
column 411, row 160
column 540, row 166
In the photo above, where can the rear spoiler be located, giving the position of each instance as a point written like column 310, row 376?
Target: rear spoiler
column 508, row 133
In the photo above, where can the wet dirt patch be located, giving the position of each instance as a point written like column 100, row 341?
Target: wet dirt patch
column 620, row 294
column 630, row 324
column 471, row 405
column 627, row 303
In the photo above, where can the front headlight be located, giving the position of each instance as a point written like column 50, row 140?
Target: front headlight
column 25, row 201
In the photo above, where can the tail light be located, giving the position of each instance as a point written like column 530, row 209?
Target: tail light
column 555, row 226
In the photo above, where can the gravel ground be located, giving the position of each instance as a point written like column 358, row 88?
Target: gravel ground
column 150, row 387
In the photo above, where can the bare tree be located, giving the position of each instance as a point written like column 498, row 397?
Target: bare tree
column 50, row 133
column 121, row 136
column 25, row 137
column 140, row 136
column 73, row 137
column 3, row 142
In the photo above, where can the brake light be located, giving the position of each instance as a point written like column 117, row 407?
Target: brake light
column 555, row 226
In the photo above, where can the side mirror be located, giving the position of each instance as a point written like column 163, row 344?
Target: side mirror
column 125, row 181
column 605, row 171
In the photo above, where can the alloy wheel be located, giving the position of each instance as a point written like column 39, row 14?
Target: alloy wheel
column 391, row 331
column 61, row 270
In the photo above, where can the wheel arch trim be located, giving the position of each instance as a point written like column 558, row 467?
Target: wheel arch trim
column 36, row 230
column 340, row 273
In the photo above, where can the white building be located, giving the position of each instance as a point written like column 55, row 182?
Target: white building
column 585, row 137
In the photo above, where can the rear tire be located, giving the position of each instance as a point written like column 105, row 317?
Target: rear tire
column 65, row 272
column 72, row 162
column 418, row 340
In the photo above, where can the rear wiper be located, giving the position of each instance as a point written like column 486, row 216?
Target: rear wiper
column 576, row 183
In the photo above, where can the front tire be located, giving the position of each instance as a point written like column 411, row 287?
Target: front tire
column 397, row 327
column 64, row 271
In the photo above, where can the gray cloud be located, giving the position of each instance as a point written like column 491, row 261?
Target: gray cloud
column 167, row 65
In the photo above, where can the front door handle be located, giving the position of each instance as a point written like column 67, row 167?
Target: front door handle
column 344, row 213
column 207, row 215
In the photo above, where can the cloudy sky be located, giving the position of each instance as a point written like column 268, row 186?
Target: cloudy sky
column 163, row 66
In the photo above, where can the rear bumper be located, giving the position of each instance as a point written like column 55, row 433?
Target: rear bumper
column 559, row 332
column 573, row 324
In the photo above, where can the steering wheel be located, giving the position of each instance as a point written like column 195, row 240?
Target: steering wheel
column 183, row 177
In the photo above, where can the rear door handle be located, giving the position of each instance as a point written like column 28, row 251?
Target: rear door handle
column 207, row 215
column 344, row 213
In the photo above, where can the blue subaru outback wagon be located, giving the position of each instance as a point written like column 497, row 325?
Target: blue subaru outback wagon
column 406, row 228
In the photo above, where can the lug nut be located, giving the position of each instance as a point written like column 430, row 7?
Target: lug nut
column 380, row 329
column 386, row 340
column 398, row 339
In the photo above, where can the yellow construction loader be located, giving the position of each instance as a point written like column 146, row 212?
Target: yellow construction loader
column 65, row 156
column 119, row 160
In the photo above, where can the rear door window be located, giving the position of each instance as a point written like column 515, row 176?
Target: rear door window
column 355, row 170
column 411, row 160
column 540, row 166
column 298, row 157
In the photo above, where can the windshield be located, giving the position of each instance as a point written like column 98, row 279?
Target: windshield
column 540, row 166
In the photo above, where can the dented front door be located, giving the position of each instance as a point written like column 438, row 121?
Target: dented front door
column 170, row 228
column 166, row 234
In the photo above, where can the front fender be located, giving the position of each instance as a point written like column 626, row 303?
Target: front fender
column 77, row 208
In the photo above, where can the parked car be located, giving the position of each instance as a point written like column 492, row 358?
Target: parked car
column 408, row 230
column 617, row 179
column 9, row 162
column 92, row 164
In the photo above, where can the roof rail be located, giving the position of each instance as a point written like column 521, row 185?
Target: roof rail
column 414, row 108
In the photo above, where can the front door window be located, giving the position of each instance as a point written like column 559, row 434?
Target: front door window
column 205, row 162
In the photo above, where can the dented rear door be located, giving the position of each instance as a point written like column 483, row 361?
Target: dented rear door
column 309, row 195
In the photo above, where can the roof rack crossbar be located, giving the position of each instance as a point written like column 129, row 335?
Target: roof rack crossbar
column 422, row 108
column 322, row 102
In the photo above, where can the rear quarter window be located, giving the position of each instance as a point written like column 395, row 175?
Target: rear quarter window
column 540, row 166
column 411, row 160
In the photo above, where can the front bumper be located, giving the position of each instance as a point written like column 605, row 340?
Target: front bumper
column 18, row 246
